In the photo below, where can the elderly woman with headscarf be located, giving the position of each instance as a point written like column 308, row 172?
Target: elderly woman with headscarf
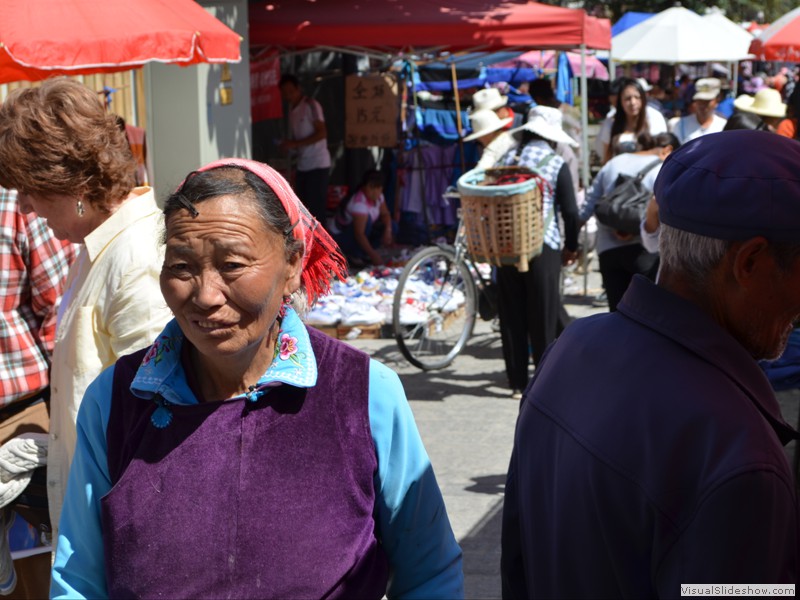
column 243, row 454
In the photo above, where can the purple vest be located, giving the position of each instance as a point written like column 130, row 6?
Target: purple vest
column 233, row 499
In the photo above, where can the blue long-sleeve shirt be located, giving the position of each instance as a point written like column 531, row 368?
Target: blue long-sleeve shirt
column 411, row 518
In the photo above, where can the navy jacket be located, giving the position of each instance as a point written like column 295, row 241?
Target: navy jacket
column 648, row 453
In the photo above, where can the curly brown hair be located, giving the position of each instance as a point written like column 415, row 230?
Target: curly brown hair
column 59, row 139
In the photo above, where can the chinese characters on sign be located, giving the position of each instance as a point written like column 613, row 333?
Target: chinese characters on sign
column 370, row 111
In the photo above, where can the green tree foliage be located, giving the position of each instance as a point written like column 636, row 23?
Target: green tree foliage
column 736, row 10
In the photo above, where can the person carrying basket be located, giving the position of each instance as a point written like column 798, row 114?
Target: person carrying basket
column 530, row 302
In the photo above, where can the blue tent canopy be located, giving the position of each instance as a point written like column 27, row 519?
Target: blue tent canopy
column 628, row 20
column 472, row 72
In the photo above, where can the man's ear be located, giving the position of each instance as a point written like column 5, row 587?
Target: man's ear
column 750, row 258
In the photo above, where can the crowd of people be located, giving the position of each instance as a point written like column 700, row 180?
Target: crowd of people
column 202, row 441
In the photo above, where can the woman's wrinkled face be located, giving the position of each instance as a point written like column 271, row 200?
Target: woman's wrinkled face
column 61, row 213
column 225, row 275
column 631, row 101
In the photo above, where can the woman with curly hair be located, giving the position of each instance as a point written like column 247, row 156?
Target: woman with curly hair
column 71, row 165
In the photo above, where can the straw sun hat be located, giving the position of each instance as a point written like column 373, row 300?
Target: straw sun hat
column 484, row 122
column 766, row 103
column 546, row 122
column 488, row 99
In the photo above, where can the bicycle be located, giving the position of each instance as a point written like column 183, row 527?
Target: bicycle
column 439, row 294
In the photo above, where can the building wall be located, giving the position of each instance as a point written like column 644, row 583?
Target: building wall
column 187, row 124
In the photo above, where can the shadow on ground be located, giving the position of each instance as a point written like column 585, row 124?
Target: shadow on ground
column 477, row 371
column 481, row 547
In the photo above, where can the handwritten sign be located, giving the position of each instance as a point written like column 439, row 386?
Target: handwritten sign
column 370, row 111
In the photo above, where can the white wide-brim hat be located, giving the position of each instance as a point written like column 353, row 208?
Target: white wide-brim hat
column 546, row 122
column 484, row 122
column 488, row 99
column 765, row 103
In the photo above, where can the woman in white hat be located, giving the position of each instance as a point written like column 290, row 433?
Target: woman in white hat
column 766, row 103
column 529, row 303
column 488, row 131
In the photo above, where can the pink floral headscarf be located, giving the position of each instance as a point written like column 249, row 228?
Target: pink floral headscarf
column 322, row 259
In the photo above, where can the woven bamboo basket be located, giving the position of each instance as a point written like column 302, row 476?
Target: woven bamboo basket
column 503, row 223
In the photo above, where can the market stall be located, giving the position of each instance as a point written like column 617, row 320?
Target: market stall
column 415, row 33
column 418, row 27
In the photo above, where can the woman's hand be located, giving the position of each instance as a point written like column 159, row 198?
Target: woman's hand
column 651, row 220
column 568, row 257
column 375, row 258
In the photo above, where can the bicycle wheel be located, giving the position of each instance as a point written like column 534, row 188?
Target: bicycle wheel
column 434, row 308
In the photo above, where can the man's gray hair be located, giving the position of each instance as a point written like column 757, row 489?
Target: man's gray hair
column 689, row 253
column 696, row 255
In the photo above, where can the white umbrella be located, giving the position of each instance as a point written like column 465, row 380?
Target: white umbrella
column 677, row 35
column 738, row 34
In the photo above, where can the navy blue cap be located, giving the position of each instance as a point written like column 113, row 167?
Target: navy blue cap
column 733, row 185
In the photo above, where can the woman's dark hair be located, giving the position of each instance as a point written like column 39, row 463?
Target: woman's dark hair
column 526, row 137
column 793, row 109
column 240, row 183
column 289, row 78
column 620, row 117
column 372, row 178
column 541, row 90
column 745, row 120
column 664, row 139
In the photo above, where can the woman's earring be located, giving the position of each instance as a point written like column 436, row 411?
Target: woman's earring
column 287, row 301
column 79, row 208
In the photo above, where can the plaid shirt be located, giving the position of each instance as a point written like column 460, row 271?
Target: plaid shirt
column 33, row 271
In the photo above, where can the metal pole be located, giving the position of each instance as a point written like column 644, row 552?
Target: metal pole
column 458, row 116
column 585, row 155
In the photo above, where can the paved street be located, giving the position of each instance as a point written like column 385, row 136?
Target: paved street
column 466, row 418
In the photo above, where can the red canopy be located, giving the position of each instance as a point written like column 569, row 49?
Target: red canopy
column 401, row 24
column 781, row 40
column 42, row 38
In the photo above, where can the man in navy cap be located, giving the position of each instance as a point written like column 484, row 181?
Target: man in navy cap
column 649, row 448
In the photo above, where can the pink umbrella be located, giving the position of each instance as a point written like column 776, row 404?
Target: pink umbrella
column 781, row 40
column 547, row 60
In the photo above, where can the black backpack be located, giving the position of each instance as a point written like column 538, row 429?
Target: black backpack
column 624, row 206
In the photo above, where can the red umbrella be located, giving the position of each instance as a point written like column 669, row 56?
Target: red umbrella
column 42, row 38
column 781, row 40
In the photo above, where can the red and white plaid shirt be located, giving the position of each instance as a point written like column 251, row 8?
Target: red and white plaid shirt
column 33, row 271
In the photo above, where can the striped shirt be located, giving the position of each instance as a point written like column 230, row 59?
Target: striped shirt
column 33, row 270
column 535, row 156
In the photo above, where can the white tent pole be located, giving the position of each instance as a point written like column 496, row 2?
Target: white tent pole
column 584, row 120
column 584, row 152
